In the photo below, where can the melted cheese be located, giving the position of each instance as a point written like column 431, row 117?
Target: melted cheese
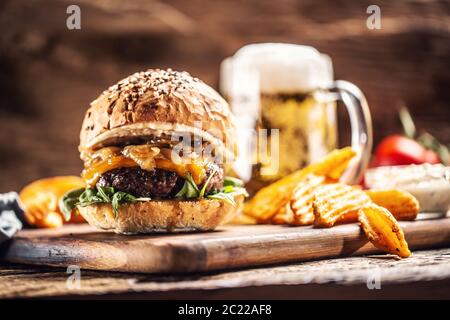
column 93, row 172
column 196, row 169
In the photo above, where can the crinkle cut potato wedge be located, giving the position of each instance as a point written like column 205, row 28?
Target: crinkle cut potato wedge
column 402, row 204
column 382, row 230
column 304, row 219
column 267, row 201
column 301, row 202
column 284, row 215
column 337, row 203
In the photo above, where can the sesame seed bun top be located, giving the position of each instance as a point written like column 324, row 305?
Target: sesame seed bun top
column 154, row 103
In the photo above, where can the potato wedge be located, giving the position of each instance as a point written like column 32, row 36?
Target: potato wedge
column 242, row 219
column 267, row 201
column 402, row 204
column 284, row 215
column 337, row 203
column 40, row 200
column 382, row 230
column 333, row 165
column 301, row 202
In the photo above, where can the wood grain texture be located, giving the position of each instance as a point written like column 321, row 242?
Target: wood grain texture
column 226, row 248
column 425, row 275
column 405, row 62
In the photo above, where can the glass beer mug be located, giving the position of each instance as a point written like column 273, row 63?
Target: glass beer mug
column 284, row 99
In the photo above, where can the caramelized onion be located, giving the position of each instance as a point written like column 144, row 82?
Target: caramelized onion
column 143, row 155
column 100, row 155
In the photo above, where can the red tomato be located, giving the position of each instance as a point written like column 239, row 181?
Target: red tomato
column 399, row 150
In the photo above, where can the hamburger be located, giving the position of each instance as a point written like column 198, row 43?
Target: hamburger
column 155, row 148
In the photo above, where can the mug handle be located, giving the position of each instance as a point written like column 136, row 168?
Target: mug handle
column 361, row 126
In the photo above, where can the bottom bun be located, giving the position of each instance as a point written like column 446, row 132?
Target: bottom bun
column 161, row 216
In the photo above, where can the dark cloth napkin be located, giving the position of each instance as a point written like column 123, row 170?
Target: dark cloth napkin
column 11, row 215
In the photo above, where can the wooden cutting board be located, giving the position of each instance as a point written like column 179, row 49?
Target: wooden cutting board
column 227, row 247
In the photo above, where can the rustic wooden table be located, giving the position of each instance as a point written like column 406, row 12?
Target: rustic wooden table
column 424, row 275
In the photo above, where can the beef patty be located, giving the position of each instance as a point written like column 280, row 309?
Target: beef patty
column 156, row 183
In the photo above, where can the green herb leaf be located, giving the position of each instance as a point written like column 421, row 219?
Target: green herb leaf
column 226, row 197
column 231, row 188
column 189, row 190
column 430, row 142
column 407, row 122
column 240, row 191
column 69, row 201
column 88, row 197
column 119, row 198
column 231, row 181
column 228, row 189
column 106, row 193
column 203, row 190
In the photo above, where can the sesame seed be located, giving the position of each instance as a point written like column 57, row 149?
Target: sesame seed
column 160, row 82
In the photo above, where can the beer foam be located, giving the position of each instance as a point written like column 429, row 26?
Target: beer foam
column 280, row 67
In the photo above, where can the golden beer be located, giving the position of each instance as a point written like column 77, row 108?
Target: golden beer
column 284, row 99
column 306, row 132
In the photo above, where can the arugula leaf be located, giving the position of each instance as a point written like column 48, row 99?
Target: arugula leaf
column 86, row 197
column 240, row 191
column 232, row 181
column 202, row 191
column 69, row 201
column 189, row 190
column 226, row 197
column 119, row 198
column 231, row 188
column 106, row 193
column 227, row 189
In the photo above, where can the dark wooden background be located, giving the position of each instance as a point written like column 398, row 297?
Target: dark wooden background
column 48, row 74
